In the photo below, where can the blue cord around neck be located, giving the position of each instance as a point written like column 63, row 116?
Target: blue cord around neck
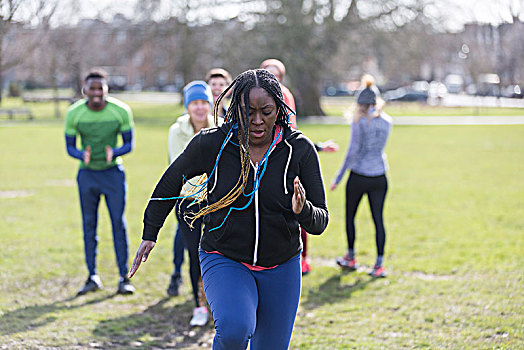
column 258, row 177
column 204, row 184
column 256, row 184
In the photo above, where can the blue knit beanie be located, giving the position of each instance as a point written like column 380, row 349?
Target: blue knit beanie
column 367, row 97
column 197, row 90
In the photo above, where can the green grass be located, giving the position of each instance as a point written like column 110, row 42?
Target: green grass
column 142, row 111
column 455, row 249
column 416, row 109
column 338, row 106
column 160, row 113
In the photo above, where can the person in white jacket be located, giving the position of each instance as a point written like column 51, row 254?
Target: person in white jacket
column 198, row 101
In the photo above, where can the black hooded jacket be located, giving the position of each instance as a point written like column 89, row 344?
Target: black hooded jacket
column 266, row 233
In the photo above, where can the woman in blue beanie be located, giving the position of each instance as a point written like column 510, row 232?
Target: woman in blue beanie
column 198, row 102
column 368, row 165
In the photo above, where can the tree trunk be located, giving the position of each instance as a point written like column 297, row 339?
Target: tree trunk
column 1, row 67
column 77, row 79
column 308, row 101
column 305, row 75
column 55, row 86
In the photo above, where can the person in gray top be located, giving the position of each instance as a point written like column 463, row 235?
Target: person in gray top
column 368, row 164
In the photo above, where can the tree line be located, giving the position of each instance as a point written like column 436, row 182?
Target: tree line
column 318, row 40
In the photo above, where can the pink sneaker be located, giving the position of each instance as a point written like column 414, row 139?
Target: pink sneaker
column 200, row 316
column 347, row 264
column 378, row 272
column 306, row 268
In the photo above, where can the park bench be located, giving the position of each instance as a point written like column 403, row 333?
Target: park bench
column 11, row 112
column 33, row 99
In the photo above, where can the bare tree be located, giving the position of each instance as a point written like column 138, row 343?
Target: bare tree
column 7, row 11
column 304, row 34
column 316, row 39
column 307, row 34
column 12, row 30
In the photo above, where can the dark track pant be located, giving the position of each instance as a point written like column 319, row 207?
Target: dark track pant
column 191, row 239
column 111, row 183
column 178, row 251
column 376, row 188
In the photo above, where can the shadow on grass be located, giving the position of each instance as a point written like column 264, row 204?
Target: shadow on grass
column 334, row 290
column 157, row 326
column 31, row 317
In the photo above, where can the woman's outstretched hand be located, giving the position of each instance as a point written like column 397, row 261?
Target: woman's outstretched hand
column 141, row 256
column 299, row 196
column 329, row 146
column 333, row 186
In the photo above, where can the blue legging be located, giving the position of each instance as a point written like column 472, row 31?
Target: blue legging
column 111, row 183
column 255, row 307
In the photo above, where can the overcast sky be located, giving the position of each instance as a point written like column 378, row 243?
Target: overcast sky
column 483, row 11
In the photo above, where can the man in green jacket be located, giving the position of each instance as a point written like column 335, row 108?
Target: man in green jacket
column 98, row 119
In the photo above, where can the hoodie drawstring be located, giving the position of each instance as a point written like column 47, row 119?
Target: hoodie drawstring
column 287, row 165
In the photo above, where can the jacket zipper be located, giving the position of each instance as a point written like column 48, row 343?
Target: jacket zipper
column 257, row 232
column 257, row 216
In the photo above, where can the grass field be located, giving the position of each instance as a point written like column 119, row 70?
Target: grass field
column 454, row 252
column 332, row 106
column 157, row 113
column 339, row 106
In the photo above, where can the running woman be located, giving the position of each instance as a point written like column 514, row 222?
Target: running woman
column 198, row 102
column 264, row 182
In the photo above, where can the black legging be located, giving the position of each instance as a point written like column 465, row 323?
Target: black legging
column 376, row 188
column 191, row 241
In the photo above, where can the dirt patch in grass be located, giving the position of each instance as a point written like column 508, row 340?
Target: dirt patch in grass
column 61, row 182
column 430, row 277
column 160, row 325
column 16, row 193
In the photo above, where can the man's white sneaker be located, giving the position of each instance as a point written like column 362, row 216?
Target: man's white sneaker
column 200, row 316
